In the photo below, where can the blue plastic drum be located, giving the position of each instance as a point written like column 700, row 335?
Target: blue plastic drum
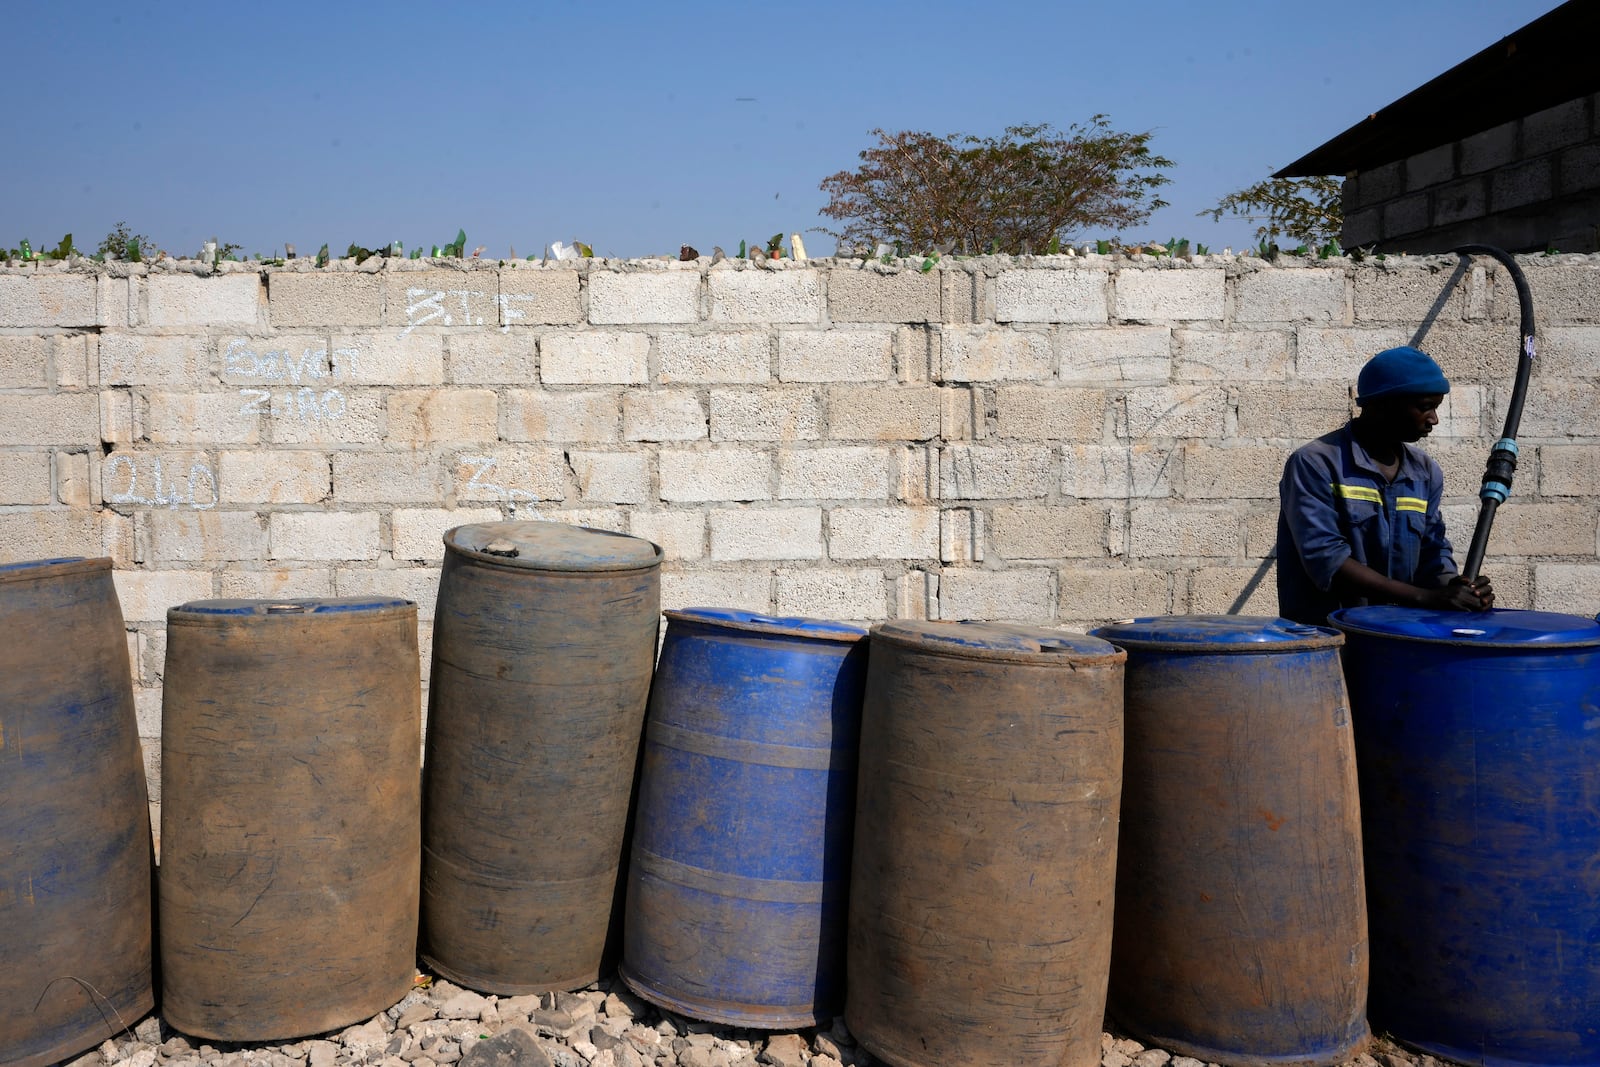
column 1478, row 746
column 740, row 870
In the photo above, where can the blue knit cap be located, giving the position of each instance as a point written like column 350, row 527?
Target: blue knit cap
column 1403, row 371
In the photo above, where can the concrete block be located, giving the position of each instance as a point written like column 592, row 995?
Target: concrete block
column 870, row 295
column 594, row 358
column 1526, row 183
column 24, row 361
column 116, row 417
column 1564, row 470
column 1410, row 295
column 40, row 299
column 308, row 416
column 539, row 296
column 1564, row 352
column 596, row 518
column 74, row 488
column 417, row 584
column 75, row 360
column 1382, row 183
column 33, row 419
column 418, row 533
column 567, row 417
column 1040, row 531
column 279, row 476
column 1531, row 529
column 1040, row 413
column 681, row 534
column 28, row 535
column 1122, row 354
column 1231, row 355
column 296, row 300
column 996, row 472
column 323, row 535
column 1072, row 295
column 861, row 595
column 1405, row 216
column 492, row 358
column 963, row 535
column 1128, row 472
column 774, row 414
column 1219, row 473
column 1176, row 411
column 1494, row 147
column 722, row 474
column 441, row 298
column 1432, row 167
column 1573, row 588
column 134, row 359
column 835, row 355
column 1460, row 201
column 1295, row 413
column 1461, row 414
column 1578, row 169
column 282, row 359
column 959, row 296
column 916, row 354
column 25, row 478
column 875, row 533
column 417, row 417
column 1170, row 294
column 833, row 474
column 1260, row 528
column 279, row 584
column 766, row 533
column 1099, row 595
column 962, row 413
column 893, row 413
column 205, row 536
column 380, row 477
column 643, row 296
column 384, row 359
column 1157, row 531
column 1562, row 294
column 511, row 477
column 1338, row 354
column 715, row 358
column 743, row 590
column 1556, row 410
column 193, row 300
column 663, row 415
column 988, row 354
column 1362, row 228
column 1555, row 127
column 755, row 295
column 1216, row 591
column 115, row 301
column 145, row 596
column 1017, row 595
column 158, row 480
column 1292, row 294
column 612, row 477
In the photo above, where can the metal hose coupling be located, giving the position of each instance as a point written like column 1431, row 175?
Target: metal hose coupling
column 1500, row 471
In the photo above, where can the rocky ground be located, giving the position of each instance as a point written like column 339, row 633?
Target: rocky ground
column 439, row 1024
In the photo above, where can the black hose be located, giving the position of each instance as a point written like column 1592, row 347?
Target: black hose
column 1502, row 467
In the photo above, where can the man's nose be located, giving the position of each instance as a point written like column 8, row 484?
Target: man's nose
column 1433, row 416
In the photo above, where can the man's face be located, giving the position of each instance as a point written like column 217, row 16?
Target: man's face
column 1409, row 418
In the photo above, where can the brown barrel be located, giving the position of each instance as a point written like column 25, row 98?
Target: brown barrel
column 75, row 912
column 290, row 814
column 985, row 847
column 544, row 640
column 1241, row 930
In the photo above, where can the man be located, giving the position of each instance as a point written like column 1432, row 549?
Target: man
column 1358, row 518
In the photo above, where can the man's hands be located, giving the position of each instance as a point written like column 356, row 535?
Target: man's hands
column 1357, row 579
column 1460, row 595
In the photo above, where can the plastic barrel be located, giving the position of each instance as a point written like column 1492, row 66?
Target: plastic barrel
column 543, row 644
column 1241, row 931
column 984, row 864
column 740, row 871
column 290, row 814
column 1478, row 744
column 75, row 911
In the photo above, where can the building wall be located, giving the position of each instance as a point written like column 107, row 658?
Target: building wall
column 1060, row 440
column 1525, row 185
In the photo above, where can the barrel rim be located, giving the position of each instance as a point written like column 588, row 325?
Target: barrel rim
column 54, row 567
column 518, row 564
column 1321, row 643
column 1064, row 659
column 383, row 609
column 1348, row 628
column 772, row 626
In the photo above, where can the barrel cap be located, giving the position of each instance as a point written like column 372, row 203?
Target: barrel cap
column 757, row 622
column 1217, row 633
column 1496, row 628
column 552, row 546
column 986, row 639
column 290, row 606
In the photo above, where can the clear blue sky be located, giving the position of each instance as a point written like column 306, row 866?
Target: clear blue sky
column 624, row 124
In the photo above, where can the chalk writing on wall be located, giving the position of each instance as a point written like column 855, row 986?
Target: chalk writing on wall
column 147, row 482
column 480, row 487
column 424, row 306
column 305, row 397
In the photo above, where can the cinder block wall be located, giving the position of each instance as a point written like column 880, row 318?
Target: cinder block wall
column 1062, row 440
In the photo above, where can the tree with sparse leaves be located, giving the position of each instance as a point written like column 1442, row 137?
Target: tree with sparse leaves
column 1030, row 188
column 1307, row 211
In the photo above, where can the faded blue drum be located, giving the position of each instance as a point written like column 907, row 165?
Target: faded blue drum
column 740, row 869
column 1478, row 746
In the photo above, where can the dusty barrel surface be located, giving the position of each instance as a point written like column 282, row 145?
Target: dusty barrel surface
column 1241, row 931
column 544, row 643
column 75, row 906
column 985, row 846
column 1478, row 745
column 290, row 814
column 739, row 877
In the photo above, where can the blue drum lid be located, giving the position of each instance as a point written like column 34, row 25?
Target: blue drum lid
column 28, row 563
column 1249, row 631
column 1004, row 637
column 553, row 546
column 755, row 621
column 292, row 606
column 1499, row 627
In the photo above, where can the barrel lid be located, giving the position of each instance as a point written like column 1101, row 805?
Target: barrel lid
column 757, row 622
column 1496, row 628
column 1227, row 633
column 291, row 606
column 29, row 563
column 981, row 638
column 552, row 546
